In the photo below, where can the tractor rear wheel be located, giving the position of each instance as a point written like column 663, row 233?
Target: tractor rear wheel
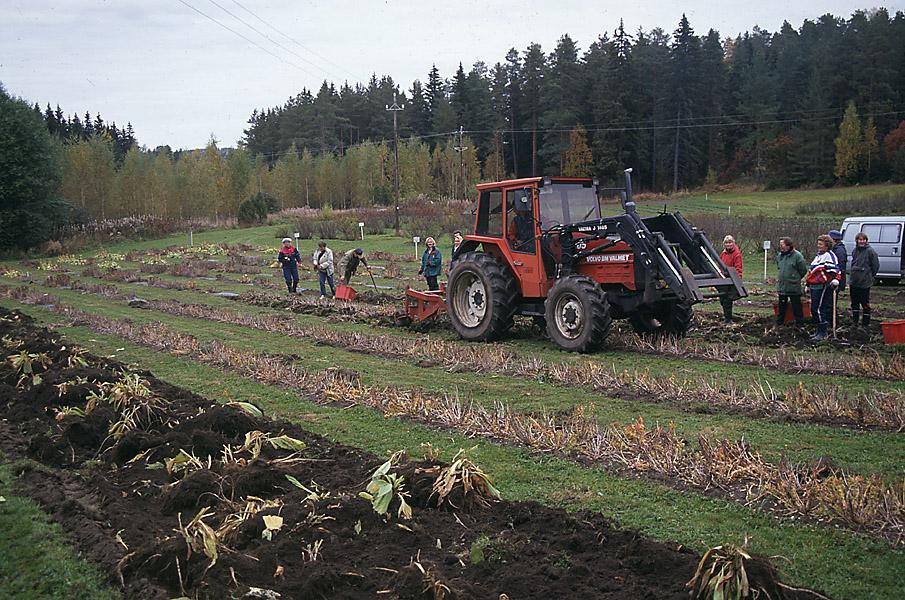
column 480, row 297
column 577, row 314
column 668, row 318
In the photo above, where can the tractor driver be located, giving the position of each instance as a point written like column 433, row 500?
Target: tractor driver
column 521, row 228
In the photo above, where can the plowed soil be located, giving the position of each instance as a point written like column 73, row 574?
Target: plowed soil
column 123, row 510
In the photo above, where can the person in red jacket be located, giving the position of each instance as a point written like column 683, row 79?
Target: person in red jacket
column 732, row 258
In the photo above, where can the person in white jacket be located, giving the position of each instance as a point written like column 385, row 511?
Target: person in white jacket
column 323, row 262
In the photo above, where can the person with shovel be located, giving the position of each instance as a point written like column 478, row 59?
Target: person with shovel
column 431, row 264
column 348, row 264
column 290, row 259
column 823, row 279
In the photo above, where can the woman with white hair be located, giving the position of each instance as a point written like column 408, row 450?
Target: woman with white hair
column 431, row 264
column 732, row 258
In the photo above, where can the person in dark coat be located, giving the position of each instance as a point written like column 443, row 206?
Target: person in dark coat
column 791, row 267
column 431, row 264
column 841, row 256
column 349, row 264
column 731, row 256
column 457, row 241
column 290, row 259
column 865, row 266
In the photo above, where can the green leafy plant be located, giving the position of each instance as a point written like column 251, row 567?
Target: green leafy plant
column 131, row 397
column 24, row 364
column 76, row 358
column 63, row 388
column 69, row 411
column 485, row 548
column 383, row 487
column 186, row 462
column 254, row 444
column 200, row 537
column 721, row 574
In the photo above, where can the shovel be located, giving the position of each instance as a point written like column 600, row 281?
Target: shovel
column 374, row 283
column 835, row 293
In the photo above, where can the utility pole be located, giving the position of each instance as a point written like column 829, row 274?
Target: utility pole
column 675, row 159
column 395, row 108
column 461, row 150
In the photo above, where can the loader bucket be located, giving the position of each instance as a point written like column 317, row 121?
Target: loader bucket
column 420, row 306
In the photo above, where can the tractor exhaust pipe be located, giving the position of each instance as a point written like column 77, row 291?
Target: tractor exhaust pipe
column 628, row 203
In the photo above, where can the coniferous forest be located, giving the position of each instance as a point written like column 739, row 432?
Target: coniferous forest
column 813, row 105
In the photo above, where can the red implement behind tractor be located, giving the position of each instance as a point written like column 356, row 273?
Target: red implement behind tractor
column 541, row 248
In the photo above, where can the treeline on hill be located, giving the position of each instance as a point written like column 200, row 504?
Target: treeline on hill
column 681, row 109
column 774, row 109
column 813, row 106
column 73, row 129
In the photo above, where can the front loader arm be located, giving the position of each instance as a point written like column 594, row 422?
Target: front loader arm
column 651, row 250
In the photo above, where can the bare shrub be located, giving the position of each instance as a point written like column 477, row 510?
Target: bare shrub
column 874, row 204
column 751, row 231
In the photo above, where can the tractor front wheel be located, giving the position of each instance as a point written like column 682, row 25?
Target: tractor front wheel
column 577, row 314
column 480, row 297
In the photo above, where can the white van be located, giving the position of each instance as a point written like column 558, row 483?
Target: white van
column 885, row 236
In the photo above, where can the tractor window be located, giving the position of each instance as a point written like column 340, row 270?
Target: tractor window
column 490, row 214
column 567, row 203
column 520, row 220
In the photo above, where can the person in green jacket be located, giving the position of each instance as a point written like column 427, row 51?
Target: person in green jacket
column 792, row 267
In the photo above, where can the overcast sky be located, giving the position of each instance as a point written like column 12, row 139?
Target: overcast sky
column 180, row 77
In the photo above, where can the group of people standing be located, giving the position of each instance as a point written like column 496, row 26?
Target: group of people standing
column 432, row 260
column 825, row 278
column 322, row 261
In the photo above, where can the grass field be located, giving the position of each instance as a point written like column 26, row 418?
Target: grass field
column 775, row 203
column 838, row 558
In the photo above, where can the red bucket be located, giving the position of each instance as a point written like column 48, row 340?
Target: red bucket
column 893, row 332
column 345, row 292
column 790, row 316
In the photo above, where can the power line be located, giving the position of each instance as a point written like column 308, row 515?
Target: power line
column 294, row 41
column 250, row 41
column 317, row 152
column 612, row 129
column 684, row 125
column 267, row 37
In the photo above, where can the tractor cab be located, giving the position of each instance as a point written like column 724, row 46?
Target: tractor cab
column 513, row 221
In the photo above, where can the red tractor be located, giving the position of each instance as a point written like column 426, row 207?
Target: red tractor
column 542, row 248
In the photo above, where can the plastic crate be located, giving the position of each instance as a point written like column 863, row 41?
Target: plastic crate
column 345, row 292
column 790, row 316
column 893, row 332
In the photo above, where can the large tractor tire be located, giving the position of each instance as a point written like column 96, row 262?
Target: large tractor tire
column 669, row 318
column 577, row 314
column 480, row 297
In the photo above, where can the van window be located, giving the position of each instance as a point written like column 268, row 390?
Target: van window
column 849, row 231
column 887, row 233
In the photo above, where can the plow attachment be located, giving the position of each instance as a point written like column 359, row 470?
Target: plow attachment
column 421, row 306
